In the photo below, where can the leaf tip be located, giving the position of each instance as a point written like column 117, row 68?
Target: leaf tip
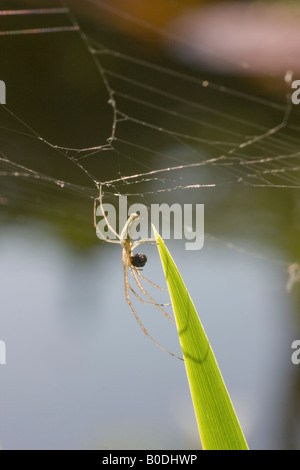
column 156, row 234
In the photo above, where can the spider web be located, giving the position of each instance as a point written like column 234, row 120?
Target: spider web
column 130, row 117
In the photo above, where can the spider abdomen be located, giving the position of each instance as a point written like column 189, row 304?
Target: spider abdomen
column 138, row 260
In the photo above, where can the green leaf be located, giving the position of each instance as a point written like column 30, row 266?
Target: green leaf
column 217, row 421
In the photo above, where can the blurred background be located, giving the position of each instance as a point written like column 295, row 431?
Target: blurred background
column 169, row 101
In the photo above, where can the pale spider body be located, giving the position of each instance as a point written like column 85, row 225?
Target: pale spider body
column 128, row 259
column 134, row 262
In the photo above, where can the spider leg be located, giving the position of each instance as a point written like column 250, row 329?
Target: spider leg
column 105, row 218
column 134, row 270
column 134, row 245
column 108, row 239
column 150, row 282
column 95, row 208
column 137, row 318
column 142, row 300
column 151, row 241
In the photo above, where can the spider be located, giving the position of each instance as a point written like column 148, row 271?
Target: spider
column 135, row 262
